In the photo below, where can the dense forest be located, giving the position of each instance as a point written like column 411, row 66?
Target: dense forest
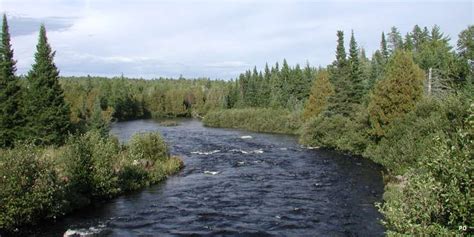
column 409, row 107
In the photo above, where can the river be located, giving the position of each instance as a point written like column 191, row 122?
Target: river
column 238, row 183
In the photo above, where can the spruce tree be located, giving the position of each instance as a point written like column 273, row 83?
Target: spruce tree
column 321, row 90
column 383, row 47
column 357, row 87
column 340, row 51
column 395, row 40
column 47, row 112
column 397, row 93
column 339, row 102
column 10, row 92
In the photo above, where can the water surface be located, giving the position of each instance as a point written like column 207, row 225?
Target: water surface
column 236, row 185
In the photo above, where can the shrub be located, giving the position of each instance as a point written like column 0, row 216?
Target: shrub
column 256, row 119
column 29, row 187
column 148, row 146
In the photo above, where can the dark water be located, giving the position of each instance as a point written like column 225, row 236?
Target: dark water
column 266, row 185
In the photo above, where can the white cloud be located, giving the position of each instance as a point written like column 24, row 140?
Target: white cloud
column 218, row 39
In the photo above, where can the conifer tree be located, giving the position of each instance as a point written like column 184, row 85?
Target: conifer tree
column 397, row 93
column 10, row 92
column 339, row 102
column 340, row 51
column 395, row 40
column 321, row 90
column 357, row 87
column 47, row 112
column 383, row 47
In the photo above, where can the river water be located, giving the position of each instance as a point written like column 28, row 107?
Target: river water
column 239, row 183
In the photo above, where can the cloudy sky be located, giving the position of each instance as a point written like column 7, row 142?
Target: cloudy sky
column 216, row 39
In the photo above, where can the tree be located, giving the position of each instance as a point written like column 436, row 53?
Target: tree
column 357, row 86
column 321, row 90
column 340, row 51
column 47, row 113
column 465, row 44
column 339, row 102
column 383, row 47
column 10, row 92
column 395, row 40
column 397, row 93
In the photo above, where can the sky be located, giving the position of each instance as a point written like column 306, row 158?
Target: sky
column 215, row 39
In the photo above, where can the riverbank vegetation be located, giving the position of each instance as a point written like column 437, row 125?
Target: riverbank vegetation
column 409, row 107
column 48, row 166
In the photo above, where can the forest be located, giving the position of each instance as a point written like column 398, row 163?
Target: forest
column 408, row 107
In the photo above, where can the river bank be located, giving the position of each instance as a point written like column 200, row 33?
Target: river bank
column 41, row 184
column 241, row 183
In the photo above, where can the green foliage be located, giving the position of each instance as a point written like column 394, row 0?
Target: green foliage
column 397, row 93
column 321, row 90
column 148, row 146
column 47, row 113
column 258, row 120
column 29, row 189
column 38, row 183
column 10, row 93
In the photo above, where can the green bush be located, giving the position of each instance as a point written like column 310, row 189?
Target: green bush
column 256, row 119
column 148, row 146
column 29, row 188
column 408, row 139
column 338, row 132
column 38, row 182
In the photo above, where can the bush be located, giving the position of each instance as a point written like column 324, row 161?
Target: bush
column 148, row 146
column 435, row 198
column 256, row 119
column 29, row 188
column 338, row 132
column 408, row 139
column 38, row 183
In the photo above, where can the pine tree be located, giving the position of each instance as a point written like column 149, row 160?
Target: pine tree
column 395, row 40
column 397, row 93
column 340, row 102
column 321, row 90
column 383, row 47
column 356, row 92
column 408, row 44
column 48, row 114
column 340, row 51
column 10, row 92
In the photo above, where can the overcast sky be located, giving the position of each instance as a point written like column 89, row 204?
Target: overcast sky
column 216, row 39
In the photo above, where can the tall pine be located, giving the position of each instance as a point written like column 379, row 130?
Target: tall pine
column 357, row 89
column 47, row 112
column 339, row 102
column 10, row 92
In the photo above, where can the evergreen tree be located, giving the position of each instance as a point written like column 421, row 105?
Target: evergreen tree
column 465, row 44
column 97, row 120
column 340, row 102
column 357, row 87
column 321, row 90
column 408, row 44
column 48, row 114
column 383, row 47
column 395, row 40
column 340, row 51
column 397, row 93
column 10, row 92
